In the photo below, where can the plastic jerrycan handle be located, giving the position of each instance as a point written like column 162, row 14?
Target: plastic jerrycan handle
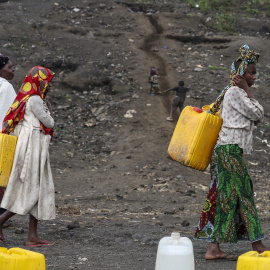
column 175, row 236
column 15, row 252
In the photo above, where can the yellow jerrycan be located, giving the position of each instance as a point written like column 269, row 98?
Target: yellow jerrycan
column 21, row 259
column 194, row 138
column 7, row 151
column 252, row 260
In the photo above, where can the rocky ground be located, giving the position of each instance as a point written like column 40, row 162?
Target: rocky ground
column 117, row 193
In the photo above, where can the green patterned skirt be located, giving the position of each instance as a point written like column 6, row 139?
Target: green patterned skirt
column 231, row 190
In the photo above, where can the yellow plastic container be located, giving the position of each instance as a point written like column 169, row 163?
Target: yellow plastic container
column 21, row 259
column 252, row 260
column 194, row 138
column 7, row 151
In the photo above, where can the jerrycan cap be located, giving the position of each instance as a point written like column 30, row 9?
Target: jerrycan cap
column 197, row 110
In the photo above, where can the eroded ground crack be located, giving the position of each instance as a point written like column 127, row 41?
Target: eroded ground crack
column 148, row 45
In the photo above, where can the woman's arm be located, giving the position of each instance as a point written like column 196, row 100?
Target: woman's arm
column 41, row 111
column 49, row 106
column 249, row 107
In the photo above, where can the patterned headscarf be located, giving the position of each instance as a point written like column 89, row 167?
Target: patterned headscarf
column 246, row 56
column 35, row 83
column 3, row 60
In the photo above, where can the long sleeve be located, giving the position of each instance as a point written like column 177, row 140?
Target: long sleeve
column 250, row 108
column 41, row 111
column 239, row 114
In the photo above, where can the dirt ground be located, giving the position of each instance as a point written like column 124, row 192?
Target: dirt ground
column 117, row 193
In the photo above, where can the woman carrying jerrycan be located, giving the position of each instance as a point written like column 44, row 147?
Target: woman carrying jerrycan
column 30, row 189
column 229, row 213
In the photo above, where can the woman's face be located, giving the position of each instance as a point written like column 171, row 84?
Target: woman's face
column 250, row 74
column 7, row 72
column 48, row 88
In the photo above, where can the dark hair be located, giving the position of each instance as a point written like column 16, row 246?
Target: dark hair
column 3, row 60
column 181, row 83
column 153, row 71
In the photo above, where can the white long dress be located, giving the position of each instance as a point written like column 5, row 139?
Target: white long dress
column 7, row 96
column 31, row 189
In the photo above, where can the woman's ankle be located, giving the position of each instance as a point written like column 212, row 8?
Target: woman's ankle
column 259, row 246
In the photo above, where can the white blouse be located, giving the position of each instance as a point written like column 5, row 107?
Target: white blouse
column 239, row 112
column 7, row 96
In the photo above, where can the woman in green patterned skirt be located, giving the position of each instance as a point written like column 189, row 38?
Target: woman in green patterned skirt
column 229, row 213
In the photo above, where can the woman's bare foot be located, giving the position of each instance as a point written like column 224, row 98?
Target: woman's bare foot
column 259, row 246
column 214, row 253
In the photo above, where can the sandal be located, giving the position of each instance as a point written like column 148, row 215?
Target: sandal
column 40, row 244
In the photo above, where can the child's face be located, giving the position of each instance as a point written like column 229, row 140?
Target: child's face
column 250, row 74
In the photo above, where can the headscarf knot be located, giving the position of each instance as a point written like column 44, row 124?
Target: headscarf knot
column 246, row 56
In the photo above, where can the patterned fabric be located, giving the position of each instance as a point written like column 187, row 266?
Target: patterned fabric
column 154, row 80
column 238, row 113
column 231, row 188
column 205, row 227
column 247, row 56
column 35, row 83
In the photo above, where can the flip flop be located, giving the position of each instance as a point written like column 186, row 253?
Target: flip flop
column 226, row 257
column 40, row 244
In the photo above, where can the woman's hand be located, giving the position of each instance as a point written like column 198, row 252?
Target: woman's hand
column 241, row 82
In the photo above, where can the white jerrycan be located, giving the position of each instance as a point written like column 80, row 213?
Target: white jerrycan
column 175, row 253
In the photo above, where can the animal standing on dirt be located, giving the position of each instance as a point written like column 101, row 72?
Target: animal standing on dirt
column 229, row 213
column 179, row 99
column 30, row 189
column 154, row 82
column 7, row 96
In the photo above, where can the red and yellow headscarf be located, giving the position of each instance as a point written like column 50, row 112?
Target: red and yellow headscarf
column 35, row 83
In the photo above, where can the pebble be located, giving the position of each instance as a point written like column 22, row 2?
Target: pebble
column 19, row 231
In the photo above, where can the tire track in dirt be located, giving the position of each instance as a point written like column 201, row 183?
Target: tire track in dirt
column 160, row 63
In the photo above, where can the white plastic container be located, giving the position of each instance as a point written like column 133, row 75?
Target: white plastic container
column 175, row 253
